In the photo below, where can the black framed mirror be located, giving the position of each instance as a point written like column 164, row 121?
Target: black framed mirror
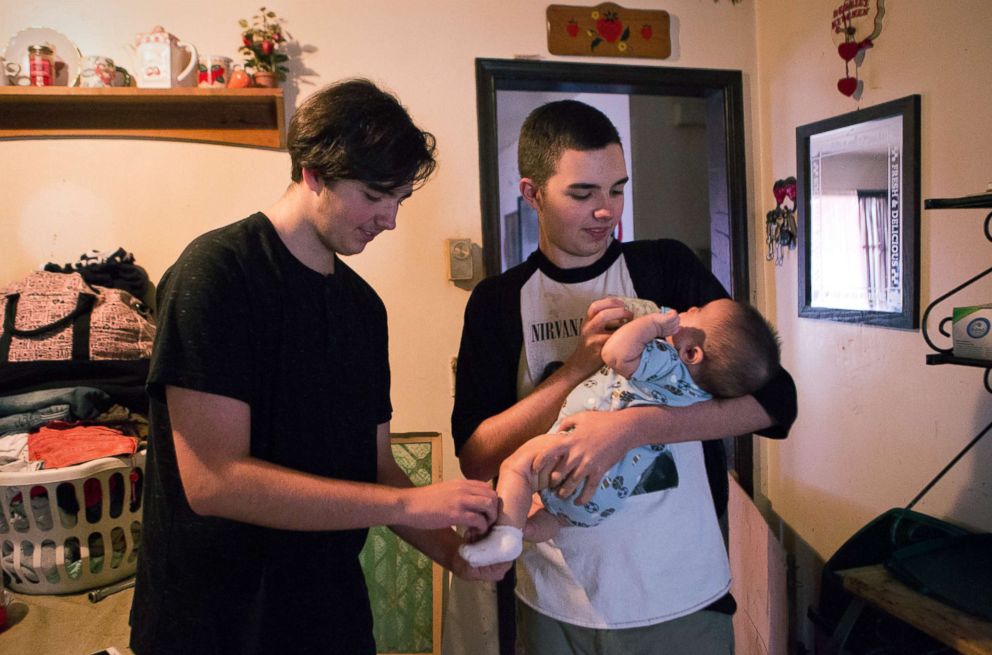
column 859, row 223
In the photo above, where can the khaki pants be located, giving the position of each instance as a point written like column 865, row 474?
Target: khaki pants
column 702, row 633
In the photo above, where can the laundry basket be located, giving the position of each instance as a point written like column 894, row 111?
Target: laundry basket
column 74, row 528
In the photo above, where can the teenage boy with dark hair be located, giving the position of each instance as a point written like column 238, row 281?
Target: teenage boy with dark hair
column 655, row 578
column 269, row 454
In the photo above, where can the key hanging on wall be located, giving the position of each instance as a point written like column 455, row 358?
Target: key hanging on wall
column 780, row 225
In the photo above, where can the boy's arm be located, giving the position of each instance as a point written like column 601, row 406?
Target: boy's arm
column 597, row 440
column 441, row 545
column 221, row 478
column 623, row 349
column 496, row 437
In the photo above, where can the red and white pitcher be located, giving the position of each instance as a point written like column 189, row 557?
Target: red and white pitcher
column 162, row 61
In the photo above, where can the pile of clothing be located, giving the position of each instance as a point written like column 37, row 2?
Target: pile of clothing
column 53, row 428
column 64, row 410
column 115, row 269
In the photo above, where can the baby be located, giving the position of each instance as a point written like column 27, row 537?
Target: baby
column 724, row 349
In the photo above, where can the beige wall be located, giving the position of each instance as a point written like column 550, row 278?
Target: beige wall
column 875, row 423
column 68, row 196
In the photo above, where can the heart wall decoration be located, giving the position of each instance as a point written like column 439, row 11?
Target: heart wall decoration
column 855, row 25
column 780, row 224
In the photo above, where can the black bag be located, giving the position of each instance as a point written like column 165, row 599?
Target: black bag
column 875, row 631
column 955, row 570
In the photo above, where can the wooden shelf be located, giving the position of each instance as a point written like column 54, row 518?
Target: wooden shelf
column 963, row 632
column 946, row 358
column 243, row 117
column 945, row 355
column 982, row 200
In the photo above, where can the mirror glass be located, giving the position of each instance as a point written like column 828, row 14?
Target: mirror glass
column 855, row 180
column 859, row 188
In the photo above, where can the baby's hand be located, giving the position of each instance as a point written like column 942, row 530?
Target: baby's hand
column 667, row 323
column 622, row 351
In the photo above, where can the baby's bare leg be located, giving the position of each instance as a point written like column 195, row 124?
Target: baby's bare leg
column 516, row 484
column 517, row 481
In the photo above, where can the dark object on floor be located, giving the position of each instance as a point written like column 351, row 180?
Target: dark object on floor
column 954, row 570
column 875, row 631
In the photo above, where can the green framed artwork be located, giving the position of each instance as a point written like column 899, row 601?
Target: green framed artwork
column 404, row 584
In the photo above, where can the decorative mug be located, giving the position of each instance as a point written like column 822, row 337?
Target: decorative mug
column 8, row 69
column 214, row 71
column 240, row 79
column 100, row 72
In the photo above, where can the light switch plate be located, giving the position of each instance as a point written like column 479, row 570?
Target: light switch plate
column 460, row 259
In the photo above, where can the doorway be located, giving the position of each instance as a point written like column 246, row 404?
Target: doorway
column 659, row 111
column 709, row 100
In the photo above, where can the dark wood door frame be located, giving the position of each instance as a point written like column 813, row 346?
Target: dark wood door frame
column 494, row 75
column 722, row 88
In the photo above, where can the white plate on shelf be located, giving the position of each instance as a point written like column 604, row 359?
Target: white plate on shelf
column 68, row 59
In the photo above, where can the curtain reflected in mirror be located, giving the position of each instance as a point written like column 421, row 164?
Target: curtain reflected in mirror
column 859, row 200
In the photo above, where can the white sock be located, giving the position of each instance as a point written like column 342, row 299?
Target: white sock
column 504, row 543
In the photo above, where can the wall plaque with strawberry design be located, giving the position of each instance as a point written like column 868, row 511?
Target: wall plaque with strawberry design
column 608, row 30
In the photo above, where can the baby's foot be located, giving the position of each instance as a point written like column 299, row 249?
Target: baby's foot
column 503, row 544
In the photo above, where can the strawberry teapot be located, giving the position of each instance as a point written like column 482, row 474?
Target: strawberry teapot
column 162, row 61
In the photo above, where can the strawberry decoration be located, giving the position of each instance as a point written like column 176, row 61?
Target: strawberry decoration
column 572, row 28
column 646, row 32
column 214, row 74
column 609, row 28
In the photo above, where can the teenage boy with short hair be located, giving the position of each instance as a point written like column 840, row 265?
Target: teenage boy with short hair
column 649, row 580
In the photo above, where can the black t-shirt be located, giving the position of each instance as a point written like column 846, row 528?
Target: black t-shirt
column 240, row 316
